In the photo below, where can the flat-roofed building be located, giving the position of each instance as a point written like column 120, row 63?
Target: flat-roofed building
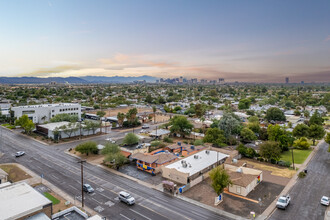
column 42, row 113
column 20, row 201
column 193, row 168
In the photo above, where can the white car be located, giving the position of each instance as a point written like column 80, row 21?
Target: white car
column 145, row 126
column 325, row 200
column 126, row 198
column 110, row 140
column 19, row 153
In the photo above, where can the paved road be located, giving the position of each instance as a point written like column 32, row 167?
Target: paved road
column 63, row 171
column 307, row 192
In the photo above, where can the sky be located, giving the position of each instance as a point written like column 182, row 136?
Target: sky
column 239, row 40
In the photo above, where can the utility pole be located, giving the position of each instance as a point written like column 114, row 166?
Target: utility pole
column 80, row 129
column 292, row 158
column 82, row 182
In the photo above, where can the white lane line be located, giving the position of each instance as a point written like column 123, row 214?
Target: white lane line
column 97, row 201
column 140, row 214
column 38, row 167
column 72, row 187
column 55, row 177
column 124, row 216
column 106, row 196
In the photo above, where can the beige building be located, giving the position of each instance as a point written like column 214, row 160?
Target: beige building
column 244, row 179
column 3, row 176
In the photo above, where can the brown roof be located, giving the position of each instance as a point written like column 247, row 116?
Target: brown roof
column 241, row 179
column 198, row 148
column 159, row 158
column 125, row 153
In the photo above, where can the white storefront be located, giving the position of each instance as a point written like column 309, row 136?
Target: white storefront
column 42, row 113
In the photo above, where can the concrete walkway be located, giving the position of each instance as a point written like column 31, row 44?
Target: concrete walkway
column 271, row 208
column 36, row 179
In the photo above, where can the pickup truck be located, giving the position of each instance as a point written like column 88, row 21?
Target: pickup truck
column 283, row 202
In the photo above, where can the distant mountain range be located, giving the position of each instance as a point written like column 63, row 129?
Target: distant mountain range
column 75, row 80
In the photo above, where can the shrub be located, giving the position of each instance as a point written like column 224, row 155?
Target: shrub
column 87, row 147
column 155, row 143
column 302, row 144
column 198, row 142
column 301, row 174
column 130, row 139
column 168, row 140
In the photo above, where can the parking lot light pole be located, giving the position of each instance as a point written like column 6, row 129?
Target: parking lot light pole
column 82, row 182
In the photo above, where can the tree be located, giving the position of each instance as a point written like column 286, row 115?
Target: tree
column 275, row 114
column 316, row 132
column 199, row 110
column 254, row 126
column 297, row 112
column 316, row 119
column 253, row 119
column 274, row 132
column 270, row 150
column 301, row 143
column 116, row 159
column 91, row 125
column 248, row 135
column 87, row 148
column 230, row 124
column 130, row 139
column 181, row 125
column 301, row 130
column 327, row 140
column 149, row 99
column 121, row 118
column 244, row 104
column 64, row 117
column 101, row 114
column 220, row 179
column 154, row 109
column 25, row 123
column 215, row 136
column 110, row 148
column 69, row 129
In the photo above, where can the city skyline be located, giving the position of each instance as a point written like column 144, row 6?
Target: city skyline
column 250, row 41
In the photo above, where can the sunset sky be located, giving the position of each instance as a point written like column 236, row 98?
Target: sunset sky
column 255, row 41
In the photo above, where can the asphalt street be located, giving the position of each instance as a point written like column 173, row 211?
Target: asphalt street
column 307, row 192
column 63, row 171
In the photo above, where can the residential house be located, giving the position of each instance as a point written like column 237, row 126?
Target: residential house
column 3, row 176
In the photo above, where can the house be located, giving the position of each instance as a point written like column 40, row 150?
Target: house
column 183, row 149
column 3, row 176
column 153, row 163
column 159, row 133
column 20, row 201
column 72, row 130
column 194, row 168
column 244, row 179
column 42, row 113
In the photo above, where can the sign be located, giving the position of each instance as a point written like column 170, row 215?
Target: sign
column 218, row 200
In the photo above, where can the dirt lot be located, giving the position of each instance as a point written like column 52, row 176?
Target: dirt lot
column 15, row 173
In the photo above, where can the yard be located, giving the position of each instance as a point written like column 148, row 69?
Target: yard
column 299, row 156
column 15, row 174
column 54, row 200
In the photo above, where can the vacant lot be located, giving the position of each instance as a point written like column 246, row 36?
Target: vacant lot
column 274, row 170
column 15, row 173
column 298, row 155
column 114, row 111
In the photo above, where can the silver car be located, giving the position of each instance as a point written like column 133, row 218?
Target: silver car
column 325, row 200
column 126, row 198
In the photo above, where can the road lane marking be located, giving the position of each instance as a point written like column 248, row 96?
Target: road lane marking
column 97, row 201
column 140, row 214
column 72, row 186
column 124, row 216
column 55, row 177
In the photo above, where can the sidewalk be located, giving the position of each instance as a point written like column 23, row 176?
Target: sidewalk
column 37, row 180
column 271, row 208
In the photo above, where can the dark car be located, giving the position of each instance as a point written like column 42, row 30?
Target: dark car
column 19, row 153
column 87, row 188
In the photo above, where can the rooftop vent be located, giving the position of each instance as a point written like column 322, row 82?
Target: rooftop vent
column 239, row 170
column 196, row 156
column 207, row 151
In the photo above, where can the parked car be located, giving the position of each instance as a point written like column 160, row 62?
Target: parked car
column 283, row 202
column 145, row 126
column 110, row 140
column 87, row 188
column 126, row 198
column 325, row 200
column 19, row 153
column 139, row 146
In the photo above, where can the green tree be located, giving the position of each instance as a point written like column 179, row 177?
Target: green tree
column 215, row 136
column 64, row 117
column 121, row 118
column 87, row 148
column 244, row 104
column 70, row 129
column 101, row 114
column 253, row 119
column 316, row 132
column 301, row 143
column 254, row 126
column 316, row 119
column 91, row 125
column 25, row 123
column 220, row 179
column 116, row 159
column 130, row 139
column 301, row 130
column 248, row 135
column 275, row 114
column 181, row 125
column 230, row 124
column 199, row 110
column 270, row 150
column 274, row 132
column 110, row 148
column 149, row 99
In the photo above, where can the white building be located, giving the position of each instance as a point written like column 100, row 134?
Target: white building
column 42, row 113
column 193, row 168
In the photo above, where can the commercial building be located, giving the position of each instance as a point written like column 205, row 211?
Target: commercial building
column 42, row 113
column 20, row 201
column 64, row 129
column 194, row 168
column 183, row 149
column 3, row 176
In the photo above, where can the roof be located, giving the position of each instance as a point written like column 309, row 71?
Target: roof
column 160, row 132
column 39, row 216
column 125, row 153
column 20, row 199
column 159, row 158
column 54, row 125
column 203, row 161
column 46, row 105
column 72, row 213
column 241, row 179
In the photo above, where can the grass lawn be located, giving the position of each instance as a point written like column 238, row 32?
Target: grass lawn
column 54, row 200
column 299, row 155
column 15, row 173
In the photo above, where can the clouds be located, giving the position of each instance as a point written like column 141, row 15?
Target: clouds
column 328, row 38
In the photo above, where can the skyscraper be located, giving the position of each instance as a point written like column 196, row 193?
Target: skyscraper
column 286, row 80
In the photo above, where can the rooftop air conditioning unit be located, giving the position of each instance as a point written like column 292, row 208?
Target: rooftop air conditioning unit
column 239, row 170
column 207, row 151
column 196, row 156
